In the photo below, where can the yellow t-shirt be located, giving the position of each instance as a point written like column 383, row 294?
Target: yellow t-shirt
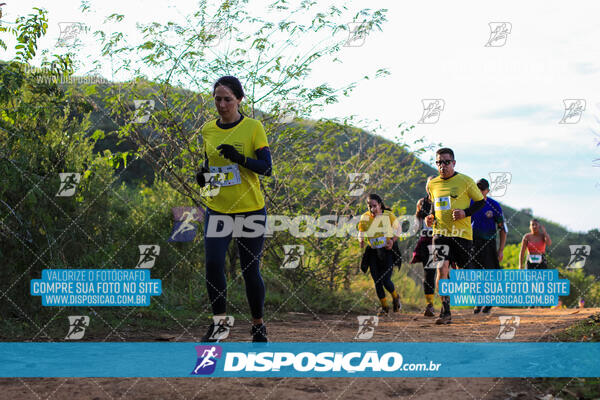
column 375, row 229
column 452, row 194
column 239, row 187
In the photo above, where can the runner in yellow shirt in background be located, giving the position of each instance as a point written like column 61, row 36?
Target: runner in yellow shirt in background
column 379, row 228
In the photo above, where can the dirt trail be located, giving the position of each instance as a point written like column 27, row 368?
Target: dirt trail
column 535, row 325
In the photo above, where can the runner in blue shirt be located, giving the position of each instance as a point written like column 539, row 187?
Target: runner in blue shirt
column 486, row 222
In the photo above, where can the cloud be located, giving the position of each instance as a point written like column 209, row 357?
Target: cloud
column 586, row 68
column 534, row 113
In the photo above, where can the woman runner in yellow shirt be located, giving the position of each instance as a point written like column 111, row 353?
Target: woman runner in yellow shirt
column 236, row 151
column 379, row 228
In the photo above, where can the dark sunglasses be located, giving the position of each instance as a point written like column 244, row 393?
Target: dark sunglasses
column 443, row 162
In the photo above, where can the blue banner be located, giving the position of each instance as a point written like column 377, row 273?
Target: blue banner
column 374, row 359
column 504, row 287
column 95, row 287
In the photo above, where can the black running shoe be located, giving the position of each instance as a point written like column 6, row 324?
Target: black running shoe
column 477, row 310
column 215, row 330
column 444, row 319
column 429, row 311
column 487, row 309
column 259, row 333
column 384, row 310
column 209, row 334
column 396, row 304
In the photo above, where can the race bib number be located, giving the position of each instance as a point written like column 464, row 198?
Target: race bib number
column 442, row 203
column 535, row 258
column 377, row 243
column 227, row 175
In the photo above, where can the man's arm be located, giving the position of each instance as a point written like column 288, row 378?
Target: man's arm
column 503, row 231
column 467, row 212
column 420, row 213
column 522, row 252
column 502, row 244
column 477, row 199
column 429, row 219
column 474, row 207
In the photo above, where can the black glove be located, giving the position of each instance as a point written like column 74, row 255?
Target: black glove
column 364, row 262
column 421, row 214
column 397, row 255
column 230, row 153
column 200, row 177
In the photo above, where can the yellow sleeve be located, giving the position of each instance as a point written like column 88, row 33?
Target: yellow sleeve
column 395, row 224
column 363, row 223
column 363, row 226
column 428, row 190
column 260, row 137
column 473, row 190
column 204, row 127
column 392, row 217
column 203, row 144
column 202, row 132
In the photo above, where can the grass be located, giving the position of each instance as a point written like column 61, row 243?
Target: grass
column 571, row 388
column 587, row 330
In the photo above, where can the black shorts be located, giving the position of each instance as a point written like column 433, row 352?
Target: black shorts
column 421, row 251
column 458, row 250
column 380, row 259
column 540, row 265
column 485, row 255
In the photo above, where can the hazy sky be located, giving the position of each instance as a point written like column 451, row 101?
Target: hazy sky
column 502, row 104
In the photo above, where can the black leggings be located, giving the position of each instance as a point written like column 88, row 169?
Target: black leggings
column 250, row 251
column 381, row 270
column 429, row 281
column 422, row 253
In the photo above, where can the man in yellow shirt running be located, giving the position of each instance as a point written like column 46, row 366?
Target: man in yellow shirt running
column 451, row 195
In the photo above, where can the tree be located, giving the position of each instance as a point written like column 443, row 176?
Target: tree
column 43, row 132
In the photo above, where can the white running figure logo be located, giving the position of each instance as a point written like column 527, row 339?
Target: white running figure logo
column 185, row 226
column 206, row 362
